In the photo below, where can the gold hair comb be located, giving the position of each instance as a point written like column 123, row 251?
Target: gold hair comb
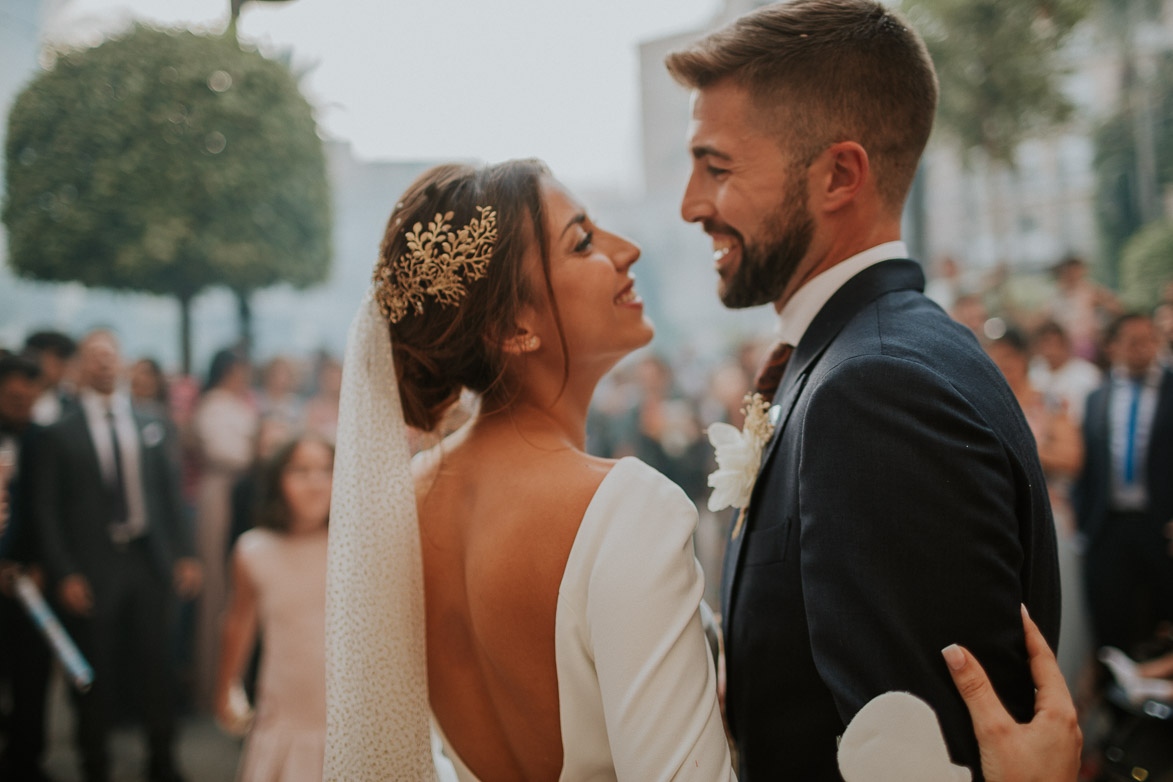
column 438, row 264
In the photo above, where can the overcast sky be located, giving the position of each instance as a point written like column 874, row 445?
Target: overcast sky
column 485, row 79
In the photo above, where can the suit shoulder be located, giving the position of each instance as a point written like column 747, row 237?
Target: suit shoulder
column 877, row 370
column 64, row 429
column 905, row 324
column 1095, row 400
column 1099, row 392
column 918, row 396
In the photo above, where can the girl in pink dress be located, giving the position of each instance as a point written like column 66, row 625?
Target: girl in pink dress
column 279, row 583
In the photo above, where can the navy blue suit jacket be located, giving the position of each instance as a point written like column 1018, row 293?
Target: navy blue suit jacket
column 900, row 508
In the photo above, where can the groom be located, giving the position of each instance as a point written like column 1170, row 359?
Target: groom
column 900, row 506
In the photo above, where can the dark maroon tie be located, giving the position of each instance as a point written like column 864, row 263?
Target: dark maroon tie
column 770, row 375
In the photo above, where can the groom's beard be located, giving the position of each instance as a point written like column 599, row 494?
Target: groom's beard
column 766, row 267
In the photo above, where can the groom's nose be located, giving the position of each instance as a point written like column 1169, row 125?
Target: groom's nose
column 696, row 204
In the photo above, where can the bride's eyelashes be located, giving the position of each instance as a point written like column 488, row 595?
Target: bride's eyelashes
column 585, row 242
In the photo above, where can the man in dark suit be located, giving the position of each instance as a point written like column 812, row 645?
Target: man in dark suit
column 1124, row 495
column 53, row 352
column 900, row 505
column 24, row 655
column 108, row 510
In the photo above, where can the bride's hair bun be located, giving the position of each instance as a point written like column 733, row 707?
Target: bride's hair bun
column 443, row 349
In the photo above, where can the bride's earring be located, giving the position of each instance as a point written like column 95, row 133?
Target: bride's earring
column 529, row 343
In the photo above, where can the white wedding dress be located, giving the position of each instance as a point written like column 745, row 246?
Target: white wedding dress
column 637, row 687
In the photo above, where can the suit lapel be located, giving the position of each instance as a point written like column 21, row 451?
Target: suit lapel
column 784, row 401
column 1101, row 420
column 85, row 440
column 1164, row 400
column 856, row 293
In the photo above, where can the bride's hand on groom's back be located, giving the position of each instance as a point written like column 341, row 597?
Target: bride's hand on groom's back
column 1046, row 749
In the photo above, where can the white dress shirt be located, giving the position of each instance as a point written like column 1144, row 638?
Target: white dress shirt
column 1131, row 495
column 796, row 316
column 95, row 406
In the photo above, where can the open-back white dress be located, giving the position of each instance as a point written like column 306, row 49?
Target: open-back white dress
column 636, row 682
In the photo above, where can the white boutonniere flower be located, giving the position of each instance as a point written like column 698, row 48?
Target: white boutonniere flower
column 739, row 455
column 153, row 434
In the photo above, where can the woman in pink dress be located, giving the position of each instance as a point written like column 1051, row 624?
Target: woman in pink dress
column 223, row 430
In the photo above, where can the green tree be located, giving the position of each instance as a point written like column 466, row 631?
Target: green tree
column 167, row 162
column 1146, row 264
column 1119, row 212
column 999, row 63
column 1134, row 146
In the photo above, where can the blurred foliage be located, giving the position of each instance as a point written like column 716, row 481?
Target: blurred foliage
column 1000, row 66
column 1117, row 196
column 166, row 161
column 1117, row 209
column 1146, row 264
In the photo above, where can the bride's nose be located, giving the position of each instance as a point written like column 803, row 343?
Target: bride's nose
column 626, row 254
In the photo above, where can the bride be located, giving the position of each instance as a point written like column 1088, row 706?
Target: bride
column 531, row 608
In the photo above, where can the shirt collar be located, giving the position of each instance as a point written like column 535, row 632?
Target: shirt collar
column 1152, row 377
column 100, row 404
column 804, row 305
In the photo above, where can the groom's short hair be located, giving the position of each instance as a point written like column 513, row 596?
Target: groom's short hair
column 823, row 71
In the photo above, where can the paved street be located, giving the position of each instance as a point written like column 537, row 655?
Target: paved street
column 205, row 754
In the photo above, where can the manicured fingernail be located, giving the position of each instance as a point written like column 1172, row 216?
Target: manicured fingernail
column 954, row 657
column 1024, row 611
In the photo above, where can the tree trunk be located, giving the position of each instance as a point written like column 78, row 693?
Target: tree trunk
column 996, row 204
column 1139, row 73
column 185, row 332
column 245, row 312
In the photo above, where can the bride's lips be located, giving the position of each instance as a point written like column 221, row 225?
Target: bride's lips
column 627, row 297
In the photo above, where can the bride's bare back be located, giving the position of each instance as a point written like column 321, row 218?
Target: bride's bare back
column 497, row 519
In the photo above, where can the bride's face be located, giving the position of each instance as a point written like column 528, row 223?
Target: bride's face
column 601, row 312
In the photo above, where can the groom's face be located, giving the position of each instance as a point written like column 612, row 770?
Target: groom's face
column 749, row 195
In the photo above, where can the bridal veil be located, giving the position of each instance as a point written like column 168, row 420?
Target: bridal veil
column 378, row 718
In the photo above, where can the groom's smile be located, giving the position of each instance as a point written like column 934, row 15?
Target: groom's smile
column 726, row 251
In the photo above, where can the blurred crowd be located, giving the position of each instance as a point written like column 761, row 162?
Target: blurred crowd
column 171, row 521
column 168, row 522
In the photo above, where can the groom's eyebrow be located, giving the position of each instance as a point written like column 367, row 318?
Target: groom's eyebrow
column 703, row 150
column 578, row 219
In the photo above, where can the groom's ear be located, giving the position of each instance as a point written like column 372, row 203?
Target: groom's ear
column 840, row 173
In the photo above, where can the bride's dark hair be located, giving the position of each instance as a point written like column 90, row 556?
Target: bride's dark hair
column 442, row 350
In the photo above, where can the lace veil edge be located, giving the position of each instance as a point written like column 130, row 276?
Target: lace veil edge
column 377, row 712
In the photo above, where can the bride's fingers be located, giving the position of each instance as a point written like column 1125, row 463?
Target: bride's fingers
column 985, row 708
column 1044, row 669
column 1054, row 710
